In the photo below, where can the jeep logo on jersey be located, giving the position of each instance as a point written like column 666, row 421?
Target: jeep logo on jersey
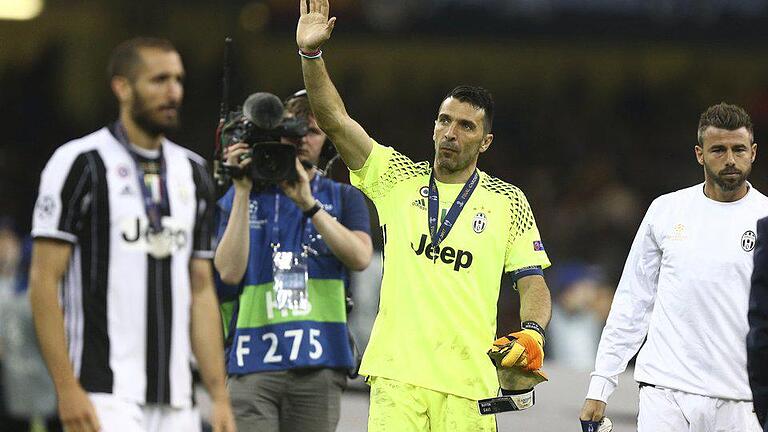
column 479, row 222
column 748, row 241
column 459, row 258
column 134, row 233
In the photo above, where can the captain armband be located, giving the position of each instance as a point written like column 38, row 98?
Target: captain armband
column 533, row 270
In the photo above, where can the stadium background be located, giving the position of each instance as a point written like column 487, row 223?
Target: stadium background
column 597, row 100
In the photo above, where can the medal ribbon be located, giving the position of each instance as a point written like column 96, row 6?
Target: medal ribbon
column 433, row 208
column 152, row 207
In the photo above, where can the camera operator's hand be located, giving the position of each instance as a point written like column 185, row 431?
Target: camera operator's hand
column 233, row 156
column 314, row 26
column 299, row 191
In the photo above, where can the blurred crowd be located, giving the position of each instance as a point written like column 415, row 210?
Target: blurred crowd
column 26, row 391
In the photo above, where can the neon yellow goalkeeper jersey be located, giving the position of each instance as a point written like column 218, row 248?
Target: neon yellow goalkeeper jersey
column 437, row 313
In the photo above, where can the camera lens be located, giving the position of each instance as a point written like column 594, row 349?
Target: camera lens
column 274, row 162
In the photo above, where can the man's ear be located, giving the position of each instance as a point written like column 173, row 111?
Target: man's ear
column 121, row 87
column 486, row 143
column 699, row 154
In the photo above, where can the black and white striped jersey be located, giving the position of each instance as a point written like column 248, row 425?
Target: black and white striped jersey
column 127, row 314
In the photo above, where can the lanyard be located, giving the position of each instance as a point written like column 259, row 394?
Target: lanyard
column 152, row 207
column 433, row 205
column 274, row 239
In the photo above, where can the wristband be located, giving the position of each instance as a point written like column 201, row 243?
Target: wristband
column 508, row 401
column 533, row 325
column 604, row 425
column 311, row 55
column 312, row 210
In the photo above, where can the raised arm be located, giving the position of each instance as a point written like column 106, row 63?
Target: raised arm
column 314, row 28
column 231, row 259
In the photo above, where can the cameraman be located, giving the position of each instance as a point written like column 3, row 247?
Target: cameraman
column 288, row 367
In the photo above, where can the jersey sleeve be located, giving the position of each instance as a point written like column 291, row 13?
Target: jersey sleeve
column 525, row 253
column 354, row 213
column 65, row 183
column 384, row 169
column 630, row 315
column 202, row 246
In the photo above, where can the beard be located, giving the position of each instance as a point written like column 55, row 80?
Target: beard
column 150, row 122
column 728, row 184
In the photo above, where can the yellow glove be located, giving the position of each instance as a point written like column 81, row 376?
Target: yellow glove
column 523, row 349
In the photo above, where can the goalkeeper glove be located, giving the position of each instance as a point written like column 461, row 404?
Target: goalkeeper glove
column 524, row 349
column 518, row 358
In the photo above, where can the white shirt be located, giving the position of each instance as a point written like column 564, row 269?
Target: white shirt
column 127, row 315
column 686, row 286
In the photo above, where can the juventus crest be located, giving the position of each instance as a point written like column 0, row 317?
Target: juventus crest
column 479, row 222
column 748, row 240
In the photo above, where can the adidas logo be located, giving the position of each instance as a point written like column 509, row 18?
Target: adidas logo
column 126, row 191
column 420, row 204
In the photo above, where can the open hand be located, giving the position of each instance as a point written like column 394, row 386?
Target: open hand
column 314, row 27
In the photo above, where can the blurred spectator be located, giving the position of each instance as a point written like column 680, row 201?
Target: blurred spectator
column 581, row 302
column 10, row 255
column 26, row 391
column 597, row 217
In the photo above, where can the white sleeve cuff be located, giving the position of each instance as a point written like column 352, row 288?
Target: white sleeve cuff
column 54, row 234
column 203, row 254
column 601, row 388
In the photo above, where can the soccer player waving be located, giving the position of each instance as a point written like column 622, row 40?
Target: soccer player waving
column 450, row 232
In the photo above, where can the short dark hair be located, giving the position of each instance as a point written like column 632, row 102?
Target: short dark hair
column 724, row 116
column 298, row 105
column 479, row 98
column 125, row 57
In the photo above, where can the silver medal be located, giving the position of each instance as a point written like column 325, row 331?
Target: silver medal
column 159, row 244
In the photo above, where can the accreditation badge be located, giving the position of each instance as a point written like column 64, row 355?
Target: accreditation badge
column 159, row 244
column 289, row 273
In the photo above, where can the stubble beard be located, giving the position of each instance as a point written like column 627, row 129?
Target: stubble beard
column 447, row 165
column 450, row 165
column 728, row 185
column 142, row 116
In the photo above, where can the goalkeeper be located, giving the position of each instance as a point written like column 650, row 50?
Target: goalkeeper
column 450, row 232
